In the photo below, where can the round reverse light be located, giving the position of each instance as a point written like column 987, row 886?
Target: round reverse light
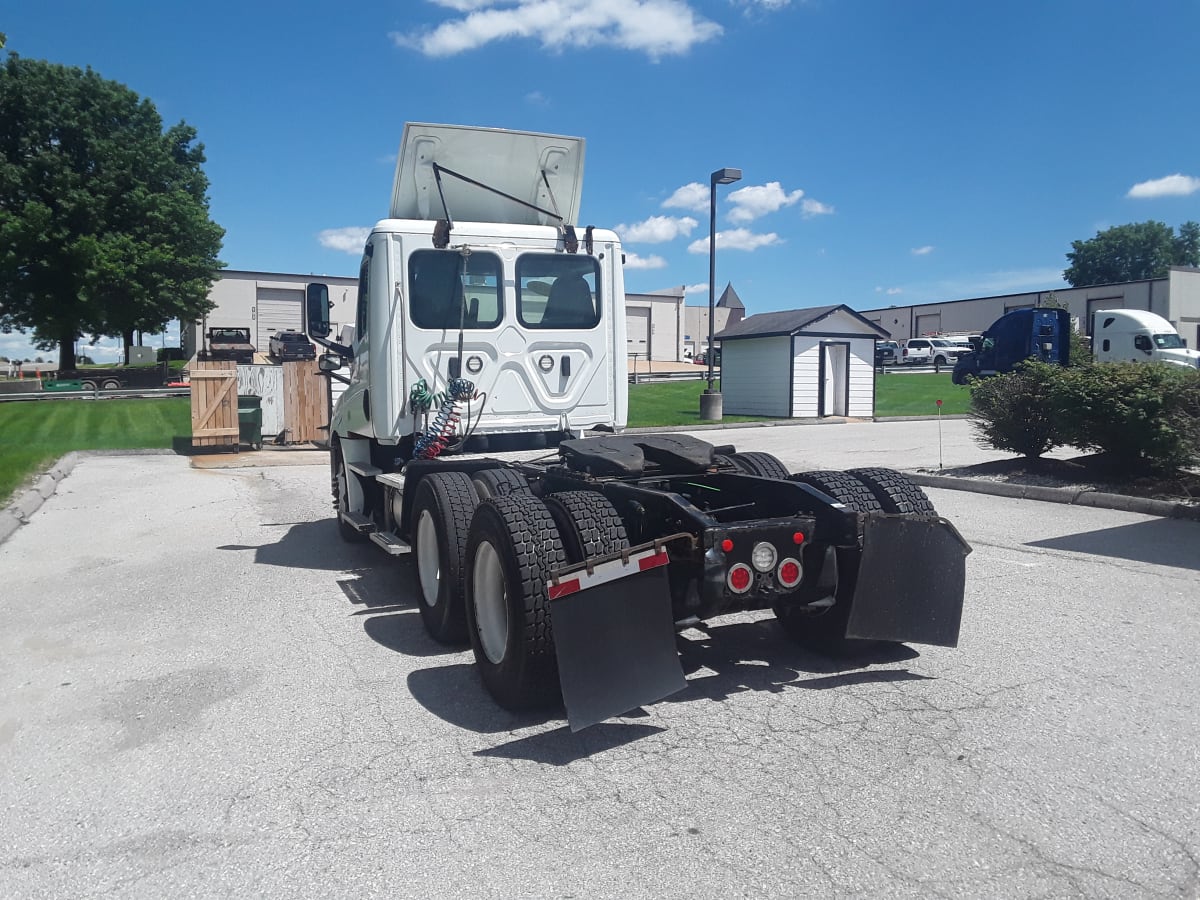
column 789, row 573
column 764, row 557
column 546, row 363
column 474, row 364
column 739, row 578
column 727, row 545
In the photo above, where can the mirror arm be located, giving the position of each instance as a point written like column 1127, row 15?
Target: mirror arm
column 340, row 349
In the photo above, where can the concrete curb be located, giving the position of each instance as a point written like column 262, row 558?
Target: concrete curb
column 1145, row 505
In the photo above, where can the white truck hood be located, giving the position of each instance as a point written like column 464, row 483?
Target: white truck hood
column 1179, row 356
column 509, row 161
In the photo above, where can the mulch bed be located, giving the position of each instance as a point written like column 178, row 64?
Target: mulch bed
column 1094, row 472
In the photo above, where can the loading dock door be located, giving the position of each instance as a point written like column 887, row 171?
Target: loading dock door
column 637, row 332
column 930, row 323
column 278, row 310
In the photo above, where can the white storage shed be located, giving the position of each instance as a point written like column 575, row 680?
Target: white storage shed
column 801, row 363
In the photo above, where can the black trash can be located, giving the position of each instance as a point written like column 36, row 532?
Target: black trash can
column 250, row 421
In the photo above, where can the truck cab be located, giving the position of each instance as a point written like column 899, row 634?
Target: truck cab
column 481, row 312
column 1135, row 335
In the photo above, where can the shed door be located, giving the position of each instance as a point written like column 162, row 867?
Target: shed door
column 835, row 379
column 278, row 310
column 637, row 332
column 928, row 324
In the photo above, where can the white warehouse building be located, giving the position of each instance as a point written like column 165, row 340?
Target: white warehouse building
column 1175, row 297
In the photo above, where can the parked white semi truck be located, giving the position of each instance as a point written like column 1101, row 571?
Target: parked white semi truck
column 1135, row 335
column 486, row 316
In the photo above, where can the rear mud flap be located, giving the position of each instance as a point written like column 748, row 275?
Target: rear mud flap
column 614, row 637
column 910, row 582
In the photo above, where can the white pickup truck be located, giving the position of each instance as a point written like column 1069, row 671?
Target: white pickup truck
column 931, row 351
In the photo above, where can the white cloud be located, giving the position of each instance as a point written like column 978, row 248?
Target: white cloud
column 810, row 208
column 690, row 289
column 693, row 196
column 347, row 240
column 1176, row 185
column 736, row 239
column 654, row 27
column 753, row 201
column 922, row 251
column 657, row 229
column 768, row 5
column 633, row 261
column 537, row 98
column 892, row 291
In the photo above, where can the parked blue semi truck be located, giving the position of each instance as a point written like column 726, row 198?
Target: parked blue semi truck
column 1041, row 333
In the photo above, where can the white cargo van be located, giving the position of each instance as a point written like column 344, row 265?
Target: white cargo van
column 1134, row 335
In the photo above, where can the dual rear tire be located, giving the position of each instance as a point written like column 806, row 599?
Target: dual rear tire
column 866, row 490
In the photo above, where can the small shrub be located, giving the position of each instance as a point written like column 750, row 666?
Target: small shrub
column 1144, row 416
column 1017, row 412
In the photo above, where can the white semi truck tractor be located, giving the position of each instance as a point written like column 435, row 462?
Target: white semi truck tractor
column 488, row 321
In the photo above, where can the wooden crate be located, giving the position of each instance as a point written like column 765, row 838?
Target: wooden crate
column 305, row 402
column 214, row 405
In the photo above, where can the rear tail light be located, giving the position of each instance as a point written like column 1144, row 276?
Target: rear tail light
column 789, row 573
column 740, row 578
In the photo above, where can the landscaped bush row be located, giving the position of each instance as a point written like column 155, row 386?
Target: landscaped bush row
column 1143, row 417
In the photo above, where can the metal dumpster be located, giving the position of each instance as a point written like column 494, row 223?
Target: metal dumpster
column 250, row 421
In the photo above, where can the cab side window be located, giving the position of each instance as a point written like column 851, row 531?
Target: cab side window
column 360, row 315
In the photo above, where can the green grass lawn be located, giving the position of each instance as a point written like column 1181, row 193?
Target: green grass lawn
column 34, row 434
column 917, row 395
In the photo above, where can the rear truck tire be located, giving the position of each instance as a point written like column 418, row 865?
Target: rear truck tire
column 88, row 385
column 824, row 631
column 340, row 476
column 895, row 491
column 111, row 384
column 442, row 513
column 764, row 465
column 491, row 483
column 588, row 524
column 512, row 547
column 842, row 487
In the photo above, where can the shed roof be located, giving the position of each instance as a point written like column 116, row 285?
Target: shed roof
column 793, row 321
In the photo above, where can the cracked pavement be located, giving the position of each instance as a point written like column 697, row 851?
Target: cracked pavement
column 205, row 693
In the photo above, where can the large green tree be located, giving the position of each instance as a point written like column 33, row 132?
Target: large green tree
column 1131, row 253
column 104, row 220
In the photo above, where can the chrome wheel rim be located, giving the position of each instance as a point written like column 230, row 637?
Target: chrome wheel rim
column 491, row 602
column 428, row 570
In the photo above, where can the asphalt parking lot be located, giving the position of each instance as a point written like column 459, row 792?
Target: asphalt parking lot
column 205, row 693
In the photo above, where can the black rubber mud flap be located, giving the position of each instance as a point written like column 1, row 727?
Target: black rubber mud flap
column 614, row 637
column 910, row 582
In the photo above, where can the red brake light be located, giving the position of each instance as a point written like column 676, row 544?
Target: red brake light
column 798, row 538
column 789, row 573
column 727, row 545
column 739, row 578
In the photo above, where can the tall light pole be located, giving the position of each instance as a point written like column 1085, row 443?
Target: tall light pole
column 710, row 400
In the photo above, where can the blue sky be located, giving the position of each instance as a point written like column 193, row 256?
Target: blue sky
column 892, row 152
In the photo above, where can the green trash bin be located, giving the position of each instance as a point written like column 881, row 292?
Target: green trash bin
column 250, row 421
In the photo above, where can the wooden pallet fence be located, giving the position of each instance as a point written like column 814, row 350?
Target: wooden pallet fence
column 305, row 402
column 214, row 405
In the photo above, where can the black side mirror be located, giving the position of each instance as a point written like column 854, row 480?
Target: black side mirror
column 317, row 302
column 329, row 362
